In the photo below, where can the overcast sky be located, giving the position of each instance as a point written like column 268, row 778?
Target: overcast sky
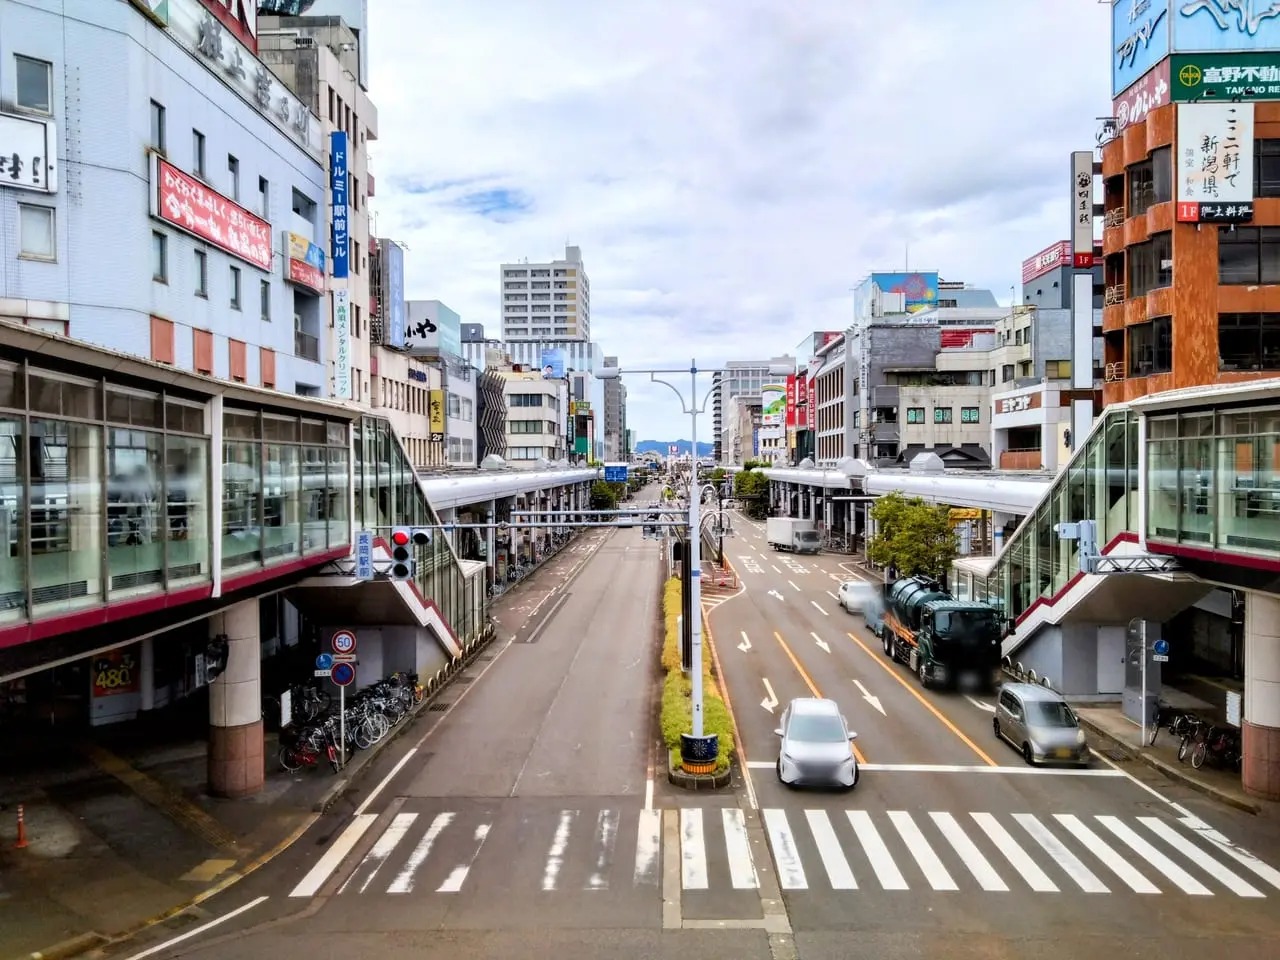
column 730, row 168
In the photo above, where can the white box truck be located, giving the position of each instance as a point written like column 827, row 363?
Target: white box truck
column 793, row 534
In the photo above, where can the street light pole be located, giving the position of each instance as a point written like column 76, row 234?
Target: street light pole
column 695, row 563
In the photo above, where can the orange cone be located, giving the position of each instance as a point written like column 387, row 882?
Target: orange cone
column 22, row 830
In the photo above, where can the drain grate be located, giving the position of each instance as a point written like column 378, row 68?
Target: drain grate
column 1116, row 754
column 438, row 707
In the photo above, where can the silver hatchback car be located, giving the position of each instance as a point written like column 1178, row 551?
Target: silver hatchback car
column 817, row 745
column 1037, row 722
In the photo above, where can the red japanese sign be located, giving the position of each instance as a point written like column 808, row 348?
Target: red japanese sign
column 802, row 402
column 811, row 407
column 238, row 16
column 1048, row 259
column 189, row 205
column 791, row 399
column 299, row 271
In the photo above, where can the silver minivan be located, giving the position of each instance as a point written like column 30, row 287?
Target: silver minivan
column 1038, row 723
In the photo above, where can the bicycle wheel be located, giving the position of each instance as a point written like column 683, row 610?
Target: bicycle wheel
column 1155, row 729
column 289, row 759
column 1197, row 756
column 1184, row 748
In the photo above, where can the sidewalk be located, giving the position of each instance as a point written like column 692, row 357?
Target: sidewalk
column 121, row 832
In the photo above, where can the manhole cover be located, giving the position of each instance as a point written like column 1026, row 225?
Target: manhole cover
column 438, row 707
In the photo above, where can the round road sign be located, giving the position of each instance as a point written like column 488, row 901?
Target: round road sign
column 324, row 661
column 344, row 674
column 1160, row 647
column 344, row 641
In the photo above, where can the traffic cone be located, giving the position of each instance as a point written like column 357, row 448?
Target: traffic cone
column 22, row 830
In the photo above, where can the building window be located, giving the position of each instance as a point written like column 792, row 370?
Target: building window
column 235, row 288
column 159, row 257
column 942, row 415
column 35, row 84
column 233, row 174
column 202, row 274
column 1266, row 168
column 37, row 236
column 1249, row 341
column 1151, row 347
column 264, row 299
column 915, row 414
column 197, row 154
column 1162, row 175
column 157, row 126
column 264, row 198
column 970, row 415
column 1141, row 188
column 1150, row 265
column 1057, row 369
column 1249, row 255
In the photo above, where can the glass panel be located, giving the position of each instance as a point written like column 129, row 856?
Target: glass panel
column 134, row 407
column 1115, row 519
column 13, row 580
column 340, row 475
column 135, row 517
column 183, row 417
column 65, row 515
column 1044, row 548
column 1061, row 547
column 1195, row 480
column 1162, row 489
column 1248, row 515
column 11, row 380
column 240, row 425
column 241, row 505
column 187, row 495
column 282, row 528
column 61, row 396
column 279, row 429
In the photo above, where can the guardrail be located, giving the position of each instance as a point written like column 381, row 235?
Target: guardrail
column 1022, row 674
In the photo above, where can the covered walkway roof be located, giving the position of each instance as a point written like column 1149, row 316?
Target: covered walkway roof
column 447, row 492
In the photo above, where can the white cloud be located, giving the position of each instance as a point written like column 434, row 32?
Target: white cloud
column 729, row 169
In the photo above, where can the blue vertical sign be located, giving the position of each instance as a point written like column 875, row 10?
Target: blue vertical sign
column 338, row 169
column 364, row 555
column 393, row 264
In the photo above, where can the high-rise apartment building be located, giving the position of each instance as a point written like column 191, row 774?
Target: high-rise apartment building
column 615, row 415
column 739, row 378
column 546, row 301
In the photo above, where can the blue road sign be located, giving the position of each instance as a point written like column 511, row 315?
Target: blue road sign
column 324, row 662
column 616, row 473
column 1160, row 647
column 364, row 554
column 344, row 674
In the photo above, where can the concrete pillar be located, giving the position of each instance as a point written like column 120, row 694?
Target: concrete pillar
column 236, row 766
column 1260, row 725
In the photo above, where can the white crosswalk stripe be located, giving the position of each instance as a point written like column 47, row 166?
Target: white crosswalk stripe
column 590, row 852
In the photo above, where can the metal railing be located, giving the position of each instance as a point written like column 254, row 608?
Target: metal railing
column 306, row 346
column 1114, row 295
column 1114, row 218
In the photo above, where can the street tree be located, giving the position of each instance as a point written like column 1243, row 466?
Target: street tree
column 912, row 536
column 751, row 490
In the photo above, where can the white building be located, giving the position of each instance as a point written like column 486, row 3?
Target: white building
column 535, row 417
column 546, row 301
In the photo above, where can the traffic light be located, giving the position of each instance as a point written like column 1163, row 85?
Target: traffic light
column 403, row 540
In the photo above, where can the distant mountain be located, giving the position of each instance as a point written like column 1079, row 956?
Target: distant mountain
column 661, row 447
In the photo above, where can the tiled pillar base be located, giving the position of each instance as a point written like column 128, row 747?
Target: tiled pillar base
column 1260, row 766
column 236, row 765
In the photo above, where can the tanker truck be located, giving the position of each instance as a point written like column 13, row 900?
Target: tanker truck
column 945, row 641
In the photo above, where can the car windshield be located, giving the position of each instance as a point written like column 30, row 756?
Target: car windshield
column 1048, row 713
column 807, row 535
column 966, row 625
column 814, row 728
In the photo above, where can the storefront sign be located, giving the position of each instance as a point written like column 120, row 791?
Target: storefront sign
column 793, row 399
column 28, row 154
column 1215, row 162
column 304, row 262
column 340, row 242
column 342, row 344
column 435, row 412
column 186, row 203
column 115, row 672
column 1226, row 76
column 1082, row 208
column 1139, row 39
column 1018, row 404
column 204, row 27
column 1215, row 212
column 581, row 408
column 419, row 375
column 1144, row 96
column 1059, row 255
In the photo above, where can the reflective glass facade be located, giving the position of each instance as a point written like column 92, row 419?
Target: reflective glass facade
column 1099, row 483
column 1215, row 479
column 388, row 494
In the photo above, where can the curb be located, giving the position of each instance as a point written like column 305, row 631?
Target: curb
column 1170, row 771
column 71, row 947
column 698, row 781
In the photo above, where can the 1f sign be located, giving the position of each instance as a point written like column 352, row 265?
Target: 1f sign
column 1082, row 205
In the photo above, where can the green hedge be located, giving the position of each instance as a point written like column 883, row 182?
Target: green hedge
column 677, row 716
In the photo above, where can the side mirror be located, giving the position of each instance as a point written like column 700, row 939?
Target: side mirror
column 852, row 735
column 779, row 732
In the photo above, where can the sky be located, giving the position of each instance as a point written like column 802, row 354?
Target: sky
column 730, row 170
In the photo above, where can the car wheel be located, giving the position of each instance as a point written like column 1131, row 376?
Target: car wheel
column 888, row 643
column 1027, row 755
column 778, row 767
column 856, row 775
column 923, row 674
column 995, row 726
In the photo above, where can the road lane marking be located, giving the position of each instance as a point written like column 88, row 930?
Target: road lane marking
column 813, row 687
column 1238, row 854
column 1072, row 865
column 693, row 849
column 403, row 883
column 980, row 704
column 745, row 645
column 982, row 754
column 866, row 695
column 873, row 846
column 833, row 859
column 1185, row 881
column 159, row 947
column 771, row 699
column 833, row 596
column 819, row 609
column 458, row 875
column 1030, row 871
column 373, row 795
column 376, row 857
column 648, row 847
column 334, row 856
column 920, row 849
column 775, row 568
column 1205, row 862
column 555, row 855
column 742, row 870
column 606, row 838
column 794, row 585
column 786, row 856
column 1114, row 861
column 968, row 851
column 820, row 642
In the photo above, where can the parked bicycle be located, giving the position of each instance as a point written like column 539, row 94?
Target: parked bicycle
column 1221, row 745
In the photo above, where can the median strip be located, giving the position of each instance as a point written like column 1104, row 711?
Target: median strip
column 677, row 711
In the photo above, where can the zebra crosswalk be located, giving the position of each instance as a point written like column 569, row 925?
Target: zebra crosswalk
column 851, row 850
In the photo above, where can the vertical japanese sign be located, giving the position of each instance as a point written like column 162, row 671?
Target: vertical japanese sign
column 342, row 344
column 1215, row 163
column 338, row 175
column 792, row 400
column 1082, row 209
column 435, row 411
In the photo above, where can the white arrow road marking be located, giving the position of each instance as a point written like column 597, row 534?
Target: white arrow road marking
column 793, row 583
column 820, row 642
column 820, row 610
column 775, row 593
column 866, row 695
column 745, row 645
column 980, row 705
column 770, row 701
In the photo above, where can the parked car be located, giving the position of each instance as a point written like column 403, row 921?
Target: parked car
column 816, row 746
column 1038, row 722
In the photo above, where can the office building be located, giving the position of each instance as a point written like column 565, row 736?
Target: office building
column 615, row 416
column 546, row 301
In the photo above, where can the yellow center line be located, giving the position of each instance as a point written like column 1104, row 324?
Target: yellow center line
column 813, row 687
column 982, row 754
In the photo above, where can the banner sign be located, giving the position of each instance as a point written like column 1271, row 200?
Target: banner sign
column 182, row 201
column 339, row 247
